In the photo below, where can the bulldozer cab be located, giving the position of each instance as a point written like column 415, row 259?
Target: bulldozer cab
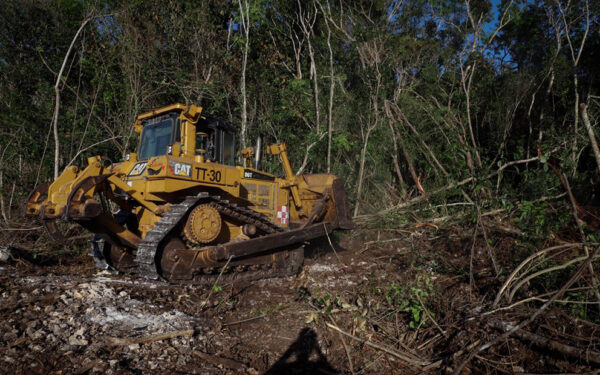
column 158, row 134
column 214, row 138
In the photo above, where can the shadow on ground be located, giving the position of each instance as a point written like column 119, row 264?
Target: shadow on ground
column 304, row 356
column 319, row 247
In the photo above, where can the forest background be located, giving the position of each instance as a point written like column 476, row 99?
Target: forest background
column 433, row 102
column 475, row 120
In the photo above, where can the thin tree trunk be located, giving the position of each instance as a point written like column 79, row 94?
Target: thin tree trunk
column 467, row 91
column 575, row 58
column 575, row 122
column 307, row 28
column 246, row 26
column 412, row 171
column 313, row 68
column 2, row 208
column 331, row 93
column 361, row 169
column 307, row 154
column 395, row 160
column 591, row 135
column 57, row 102
column 420, row 140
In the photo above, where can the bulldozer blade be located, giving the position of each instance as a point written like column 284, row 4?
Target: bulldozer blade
column 344, row 220
column 270, row 241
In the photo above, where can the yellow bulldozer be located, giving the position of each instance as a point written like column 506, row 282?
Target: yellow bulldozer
column 180, row 209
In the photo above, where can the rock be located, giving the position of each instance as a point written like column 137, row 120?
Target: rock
column 8, row 359
column 56, row 329
column 68, row 348
column 37, row 334
column 77, row 339
column 6, row 254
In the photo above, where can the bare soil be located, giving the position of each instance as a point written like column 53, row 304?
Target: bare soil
column 400, row 298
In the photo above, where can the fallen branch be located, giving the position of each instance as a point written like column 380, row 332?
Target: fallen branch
column 529, row 299
column 544, row 271
column 117, row 341
column 428, row 314
column 244, row 320
column 213, row 359
column 576, row 275
column 350, row 365
column 449, row 187
column 589, row 356
column 331, row 245
column 407, row 359
column 215, row 284
column 514, row 273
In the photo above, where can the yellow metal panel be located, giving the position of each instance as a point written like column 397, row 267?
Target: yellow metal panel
column 163, row 110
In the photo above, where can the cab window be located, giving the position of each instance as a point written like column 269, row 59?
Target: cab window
column 155, row 139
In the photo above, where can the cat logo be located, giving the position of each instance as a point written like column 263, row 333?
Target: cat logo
column 180, row 169
column 138, row 169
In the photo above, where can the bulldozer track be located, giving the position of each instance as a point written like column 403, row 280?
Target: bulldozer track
column 149, row 246
column 265, row 271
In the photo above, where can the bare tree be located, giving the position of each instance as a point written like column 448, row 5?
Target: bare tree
column 371, row 55
column 576, row 52
column 331, row 91
column 59, row 78
column 307, row 22
column 245, row 24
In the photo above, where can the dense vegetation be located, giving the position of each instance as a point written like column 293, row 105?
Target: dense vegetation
column 400, row 98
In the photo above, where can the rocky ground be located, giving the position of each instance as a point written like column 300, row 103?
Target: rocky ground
column 381, row 303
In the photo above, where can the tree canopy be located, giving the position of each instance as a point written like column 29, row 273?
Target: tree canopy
column 403, row 99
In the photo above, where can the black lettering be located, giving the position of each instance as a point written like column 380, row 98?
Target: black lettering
column 212, row 175
column 218, row 176
column 198, row 169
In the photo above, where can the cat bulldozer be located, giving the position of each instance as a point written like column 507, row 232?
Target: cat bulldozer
column 181, row 210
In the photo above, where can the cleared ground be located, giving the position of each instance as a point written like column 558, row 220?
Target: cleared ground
column 384, row 302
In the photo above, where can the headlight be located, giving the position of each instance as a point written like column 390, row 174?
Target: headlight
column 127, row 157
column 169, row 149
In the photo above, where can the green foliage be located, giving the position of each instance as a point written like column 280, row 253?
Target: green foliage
column 533, row 217
column 397, row 77
column 538, row 219
column 325, row 303
column 577, row 306
column 411, row 298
